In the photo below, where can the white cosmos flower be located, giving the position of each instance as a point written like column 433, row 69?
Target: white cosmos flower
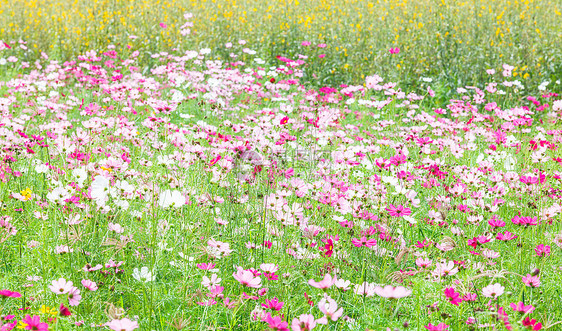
column 171, row 198
column 80, row 175
column 144, row 275
column 100, row 190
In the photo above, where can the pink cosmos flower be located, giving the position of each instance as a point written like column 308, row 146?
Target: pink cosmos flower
column 34, row 323
column 325, row 283
column 205, row 266
column 74, row 296
column 367, row 242
column 452, row 296
column 438, row 327
column 531, row 281
column 531, row 324
column 397, row 211
column 9, row 294
column 395, row 50
column 305, row 43
column 542, row 250
column 64, row 311
column 247, row 278
column 124, row 324
column 322, row 45
column 90, row 285
column 276, row 323
column 329, row 307
column 60, row 286
column 305, row 322
column 163, row 25
column 391, row 292
column 273, row 304
column 493, row 291
column 521, row 308
column 506, row 236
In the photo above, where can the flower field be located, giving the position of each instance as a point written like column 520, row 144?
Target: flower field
column 159, row 184
column 452, row 41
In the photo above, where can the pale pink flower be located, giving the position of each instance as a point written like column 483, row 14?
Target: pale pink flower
column 122, row 325
column 493, row 291
column 90, row 285
column 247, row 278
column 74, row 296
column 325, row 283
column 391, row 292
column 305, row 322
column 60, row 286
column 329, row 307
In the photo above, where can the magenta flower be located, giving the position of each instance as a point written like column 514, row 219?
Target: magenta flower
column 205, row 266
column 542, row 250
column 276, row 323
column 247, row 278
column 64, row 311
column 398, row 211
column 363, row 241
column 521, row 308
column 273, row 304
column 305, row 43
column 506, row 236
column 163, row 25
column 9, row 294
column 452, row 296
column 34, row 323
column 395, row 50
column 438, row 327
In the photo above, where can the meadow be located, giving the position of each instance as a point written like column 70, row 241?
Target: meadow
column 450, row 41
column 197, row 179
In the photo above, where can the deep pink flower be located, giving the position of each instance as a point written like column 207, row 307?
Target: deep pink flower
column 452, row 296
column 276, row 323
column 163, row 25
column 521, row 308
column 34, row 323
column 64, row 311
column 438, row 327
column 9, row 294
column 363, row 241
column 273, row 304
column 542, row 250
column 531, row 324
column 398, row 211
column 205, row 266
